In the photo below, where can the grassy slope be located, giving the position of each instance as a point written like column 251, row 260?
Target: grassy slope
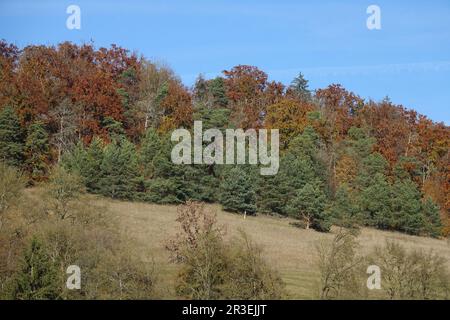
column 291, row 250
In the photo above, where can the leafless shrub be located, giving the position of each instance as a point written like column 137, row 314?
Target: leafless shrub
column 339, row 266
column 212, row 268
column 411, row 275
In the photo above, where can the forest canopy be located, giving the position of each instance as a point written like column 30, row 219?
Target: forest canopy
column 106, row 114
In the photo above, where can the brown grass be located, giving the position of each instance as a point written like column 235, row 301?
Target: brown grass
column 289, row 249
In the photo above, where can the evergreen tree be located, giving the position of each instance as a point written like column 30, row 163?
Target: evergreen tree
column 309, row 206
column 374, row 202
column 343, row 209
column 299, row 87
column 37, row 151
column 237, row 191
column 217, row 89
column 372, row 165
column 271, row 195
column 298, row 167
column 358, row 144
column 217, row 118
column 433, row 224
column 150, row 147
column 274, row 192
column 86, row 162
column 167, row 184
column 119, row 170
column 114, row 128
column 407, row 207
column 37, row 278
column 92, row 172
column 306, row 148
column 11, row 138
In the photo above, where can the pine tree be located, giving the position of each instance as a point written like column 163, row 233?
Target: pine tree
column 433, row 224
column 217, row 118
column 37, row 278
column 92, row 170
column 217, row 89
column 298, row 167
column 86, row 162
column 237, row 191
column 309, row 206
column 358, row 144
column 375, row 203
column 343, row 209
column 167, row 184
column 372, row 165
column 271, row 195
column 150, row 147
column 37, row 151
column 115, row 128
column 11, row 138
column 119, row 170
column 407, row 208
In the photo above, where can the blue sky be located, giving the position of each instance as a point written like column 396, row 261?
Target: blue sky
column 408, row 59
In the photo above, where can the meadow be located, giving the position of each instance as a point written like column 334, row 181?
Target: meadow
column 289, row 249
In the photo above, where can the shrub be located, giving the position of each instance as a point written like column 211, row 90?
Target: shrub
column 37, row 278
column 411, row 275
column 12, row 184
column 249, row 276
column 212, row 268
column 339, row 266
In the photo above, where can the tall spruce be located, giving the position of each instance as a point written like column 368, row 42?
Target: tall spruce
column 299, row 87
column 119, row 170
column 150, row 147
column 343, row 209
column 375, row 203
column 407, row 207
column 237, row 191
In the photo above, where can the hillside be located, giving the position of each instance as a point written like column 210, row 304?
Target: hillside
column 291, row 250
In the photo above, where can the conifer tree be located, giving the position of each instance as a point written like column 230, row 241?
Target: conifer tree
column 11, row 138
column 309, row 205
column 92, row 169
column 150, row 147
column 375, row 203
column 237, row 191
column 37, row 151
column 433, row 224
column 271, row 194
column 119, row 170
column 372, row 165
column 407, row 207
column 217, row 89
column 37, row 278
column 299, row 87
column 343, row 209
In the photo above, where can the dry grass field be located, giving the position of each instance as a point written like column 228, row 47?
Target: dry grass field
column 289, row 249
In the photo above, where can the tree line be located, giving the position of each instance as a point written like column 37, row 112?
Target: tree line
column 106, row 114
